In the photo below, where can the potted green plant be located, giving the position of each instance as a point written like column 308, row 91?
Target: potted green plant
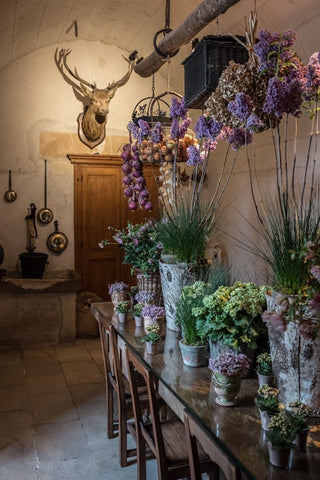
column 193, row 348
column 264, row 369
column 227, row 371
column 152, row 338
column 280, row 440
column 298, row 414
column 122, row 309
column 142, row 250
column 230, row 318
column 137, row 309
column 152, row 314
column 118, row 292
column 267, row 401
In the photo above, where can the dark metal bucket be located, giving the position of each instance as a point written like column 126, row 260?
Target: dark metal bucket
column 33, row 264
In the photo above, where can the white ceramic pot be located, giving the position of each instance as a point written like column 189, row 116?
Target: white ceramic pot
column 122, row 317
column 152, row 348
column 138, row 321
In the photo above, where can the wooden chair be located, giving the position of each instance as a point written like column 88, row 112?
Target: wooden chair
column 165, row 439
column 195, row 435
column 117, row 383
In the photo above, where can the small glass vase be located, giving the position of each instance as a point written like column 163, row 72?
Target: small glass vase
column 227, row 388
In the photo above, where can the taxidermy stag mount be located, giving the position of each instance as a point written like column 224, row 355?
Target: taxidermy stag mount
column 92, row 121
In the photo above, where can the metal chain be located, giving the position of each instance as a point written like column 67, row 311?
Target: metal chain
column 167, row 15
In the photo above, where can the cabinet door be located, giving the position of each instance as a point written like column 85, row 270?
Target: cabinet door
column 99, row 203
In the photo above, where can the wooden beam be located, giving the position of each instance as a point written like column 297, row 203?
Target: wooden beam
column 207, row 11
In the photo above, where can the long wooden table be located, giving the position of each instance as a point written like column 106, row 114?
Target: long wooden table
column 236, row 429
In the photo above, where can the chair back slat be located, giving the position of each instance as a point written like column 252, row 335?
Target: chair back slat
column 155, row 442
column 117, row 361
column 106, row 347
column 195, row 432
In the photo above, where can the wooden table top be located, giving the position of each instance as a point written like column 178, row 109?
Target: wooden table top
column 236, row 429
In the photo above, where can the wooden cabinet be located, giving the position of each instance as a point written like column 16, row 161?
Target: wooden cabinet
column 98, row 204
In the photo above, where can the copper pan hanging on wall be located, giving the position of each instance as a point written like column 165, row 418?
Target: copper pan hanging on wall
column 45, row 215
column 57, row 241
column 10, row 195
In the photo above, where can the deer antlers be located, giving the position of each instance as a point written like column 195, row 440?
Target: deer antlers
column 60, row 57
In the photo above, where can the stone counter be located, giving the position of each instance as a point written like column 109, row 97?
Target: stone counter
column 38, row 311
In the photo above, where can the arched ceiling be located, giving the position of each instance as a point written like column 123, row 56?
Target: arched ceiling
column 27, row 25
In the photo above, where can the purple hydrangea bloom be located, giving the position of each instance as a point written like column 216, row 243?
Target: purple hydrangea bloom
column 133, row 129
column 206, row 127
column 153, row 311
column 178, row 109
column 118, row 287
column 144, row 296
column 230, row 364
column 194, row 157
column 241, row 107
column 156, row 133
column 238, row 137
column 254, row 124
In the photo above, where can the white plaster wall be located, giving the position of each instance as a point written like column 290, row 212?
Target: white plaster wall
column 35, row 99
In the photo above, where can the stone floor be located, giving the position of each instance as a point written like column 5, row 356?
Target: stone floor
column 52, row 416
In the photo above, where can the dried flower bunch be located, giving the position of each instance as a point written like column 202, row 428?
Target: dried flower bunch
column 123, row 306
column 230, row 364
column 264, row 364
column 140, row 244
column 280, row 434
column 152, row 334
column 153, row 311
column 118, row 287
column 298, row 414
column 267, row 399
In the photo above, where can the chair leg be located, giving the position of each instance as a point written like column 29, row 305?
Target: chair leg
column 110, row 411
column 141, row 459
column 122, row 440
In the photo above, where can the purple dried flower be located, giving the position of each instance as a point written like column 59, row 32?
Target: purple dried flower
column 206, row 127
column 275, row 320
column 174, row 133
column 194, row 157
column 133, row 129
column 230, row 364
column 241, row 107
column 183, row 127
column 313, row 75
column 209, row 144
column 275, row 98
column 270, row 46
column 178, row 109
column 238, row 137
column 254, row 124
column 153, row 311
column 156, row 133
column 117, row 238
column 144, row 128
column 118, row 287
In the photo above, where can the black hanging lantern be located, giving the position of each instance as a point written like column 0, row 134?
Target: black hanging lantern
column 152, row 109
column 203, row 68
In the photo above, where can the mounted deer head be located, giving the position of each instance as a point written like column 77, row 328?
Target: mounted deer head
column 96, row 101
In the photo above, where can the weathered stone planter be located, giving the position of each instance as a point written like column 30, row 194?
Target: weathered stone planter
column 227, row 388
column 295, row 364
column 173, row 278
column 193, row 355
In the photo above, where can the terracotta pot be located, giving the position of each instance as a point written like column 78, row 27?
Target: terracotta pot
column 265, row 380
column 265, row 419
column 279, row 458
column 193, row 355
column 227, row 388
column 152, row 348
column 122, row 317
column 301, row 440
column 138, row 321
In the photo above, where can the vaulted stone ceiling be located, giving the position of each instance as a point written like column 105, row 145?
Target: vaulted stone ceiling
column 27, row 25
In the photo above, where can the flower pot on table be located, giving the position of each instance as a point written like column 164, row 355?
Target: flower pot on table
column 279, row 457
column 152, row 348
column 122, row 317
column 265, row 380
column 227, row 388
column 193, row 355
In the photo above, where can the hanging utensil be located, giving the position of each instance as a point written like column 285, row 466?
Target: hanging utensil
column 10, row 195
column 45, row 215
column 32, row 233
column 57, row 241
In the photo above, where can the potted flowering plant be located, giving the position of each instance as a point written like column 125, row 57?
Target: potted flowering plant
column 145, row 297
column 152, row 338
column 280, row 440
column 227, row 371
column 137, row 309
column 152, row 314
column 122, row 309
column 298, row 414
column 264, row 369
column 118, row 292
column 230, row 318
column 267, row 400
